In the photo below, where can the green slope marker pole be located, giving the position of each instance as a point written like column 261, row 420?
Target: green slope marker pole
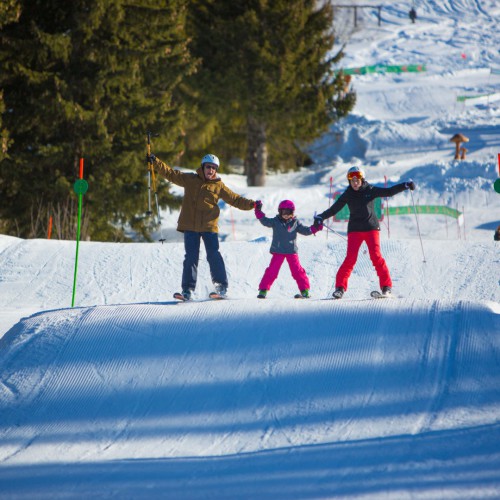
column 80, row 187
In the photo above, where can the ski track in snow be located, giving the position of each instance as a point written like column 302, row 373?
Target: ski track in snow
column 422, row 370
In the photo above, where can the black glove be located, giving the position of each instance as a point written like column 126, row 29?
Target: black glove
column 258, row 205
column 318, row 220
column 151, row 158
column 410, row 185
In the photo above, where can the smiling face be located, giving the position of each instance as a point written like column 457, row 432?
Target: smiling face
column 210, row 171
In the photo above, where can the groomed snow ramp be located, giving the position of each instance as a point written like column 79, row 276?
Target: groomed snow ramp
column 286, row 399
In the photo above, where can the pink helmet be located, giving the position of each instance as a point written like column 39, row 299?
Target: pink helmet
column 287, row 204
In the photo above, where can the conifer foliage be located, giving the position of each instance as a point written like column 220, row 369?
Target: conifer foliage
column 87, row 78
column 267, row 68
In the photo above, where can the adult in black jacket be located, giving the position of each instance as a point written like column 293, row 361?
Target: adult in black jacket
column 363, row 226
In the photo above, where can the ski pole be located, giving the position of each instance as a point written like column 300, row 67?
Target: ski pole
column 335, row 232
column 418, row 227
column 150, row 169
column 152, row 184
column 162, row 239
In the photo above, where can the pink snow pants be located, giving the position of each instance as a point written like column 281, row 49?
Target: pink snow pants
column 354, row 242
column 271, row 273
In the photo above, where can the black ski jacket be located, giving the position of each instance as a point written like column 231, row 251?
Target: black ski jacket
column 362, row 215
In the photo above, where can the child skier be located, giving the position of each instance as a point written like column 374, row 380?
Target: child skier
column 284, row 246
column 363, row 226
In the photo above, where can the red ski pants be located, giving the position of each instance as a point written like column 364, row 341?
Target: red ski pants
column 271, row 273
column 354, row 242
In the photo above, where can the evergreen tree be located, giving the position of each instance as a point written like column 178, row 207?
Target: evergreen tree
column 88, row 78
column 9, row 12
column 267, row 76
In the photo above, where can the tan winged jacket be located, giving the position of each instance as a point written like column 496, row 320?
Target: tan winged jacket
column 199, row 210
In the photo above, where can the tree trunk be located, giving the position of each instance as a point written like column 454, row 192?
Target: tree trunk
column 256, row 160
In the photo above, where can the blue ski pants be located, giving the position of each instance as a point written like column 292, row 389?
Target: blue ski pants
column 192, row 241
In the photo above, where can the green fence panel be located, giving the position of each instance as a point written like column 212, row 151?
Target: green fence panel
column 382, row 68
column 462, row 98
column 424, row 209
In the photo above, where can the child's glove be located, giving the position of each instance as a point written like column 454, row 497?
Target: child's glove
column 315, row 228
column 151, row 158
column 410, row 185
column 258, row 210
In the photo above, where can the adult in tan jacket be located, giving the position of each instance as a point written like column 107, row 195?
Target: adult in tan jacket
column 199, row 219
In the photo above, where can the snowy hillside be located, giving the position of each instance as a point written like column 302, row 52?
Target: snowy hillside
column 133, row 395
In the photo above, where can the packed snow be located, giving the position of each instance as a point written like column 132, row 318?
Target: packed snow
column 131, row 394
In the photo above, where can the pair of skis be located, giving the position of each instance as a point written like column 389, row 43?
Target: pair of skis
column 211, row 295
column 374, row 295
column 216, row 296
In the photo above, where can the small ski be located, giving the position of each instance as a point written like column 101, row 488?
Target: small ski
column 379, row 295
column 216, row 296
column 299, row 296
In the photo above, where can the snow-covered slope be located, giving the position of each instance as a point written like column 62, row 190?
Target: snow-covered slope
column 132, row 395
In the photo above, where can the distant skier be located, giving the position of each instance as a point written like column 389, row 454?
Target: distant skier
column 285, row 227
column 413, row 15
column 199, row 219
column 363, row 226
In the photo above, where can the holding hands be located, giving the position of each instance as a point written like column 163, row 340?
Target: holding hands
column 318, row 224
column 318, row 221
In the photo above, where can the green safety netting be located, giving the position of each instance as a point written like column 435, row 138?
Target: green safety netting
column 424, row 209
column 462, row 98
column 384, row 68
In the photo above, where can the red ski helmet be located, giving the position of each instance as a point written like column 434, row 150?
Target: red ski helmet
column 287, row 204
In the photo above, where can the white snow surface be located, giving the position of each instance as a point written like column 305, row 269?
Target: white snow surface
column 131, row 394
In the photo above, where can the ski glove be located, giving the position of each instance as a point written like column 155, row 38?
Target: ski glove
column 151, row 158
column 258, row 210
column 410, row 185
column 318, row 221
column 315, row 228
